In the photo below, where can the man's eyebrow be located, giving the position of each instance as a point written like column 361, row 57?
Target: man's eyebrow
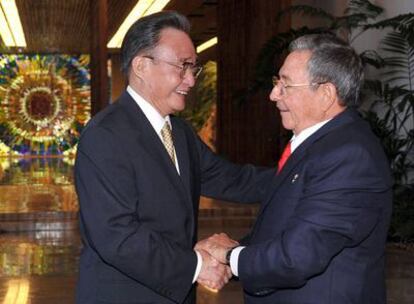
column 285, row 77
column 188, row 60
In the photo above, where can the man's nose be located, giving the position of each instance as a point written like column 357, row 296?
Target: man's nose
column 189, row 78
column 275, row 94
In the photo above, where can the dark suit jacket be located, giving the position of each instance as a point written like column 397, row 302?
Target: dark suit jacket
column 137, row 215
column 320, row 235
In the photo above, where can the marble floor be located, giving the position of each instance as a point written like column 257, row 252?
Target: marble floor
column 41, row 268
column 40, row 244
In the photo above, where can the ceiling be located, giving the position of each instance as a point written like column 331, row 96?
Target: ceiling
column 63, row 26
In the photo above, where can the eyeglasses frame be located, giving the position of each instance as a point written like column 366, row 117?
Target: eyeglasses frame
column 183, row 67
column 276, row 81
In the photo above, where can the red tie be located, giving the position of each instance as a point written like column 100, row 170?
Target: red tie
column 284, row 157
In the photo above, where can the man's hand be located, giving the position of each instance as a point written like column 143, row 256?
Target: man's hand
column 213, row 274
column 217, row 245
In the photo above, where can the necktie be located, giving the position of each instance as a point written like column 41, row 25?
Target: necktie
column 285, row 155
column 168, row 140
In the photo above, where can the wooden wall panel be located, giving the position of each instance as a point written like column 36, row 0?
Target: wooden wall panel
column 99, row 56
column 118, row 81
column 250, row 132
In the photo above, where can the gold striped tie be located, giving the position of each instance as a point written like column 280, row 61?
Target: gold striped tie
column 168, row 140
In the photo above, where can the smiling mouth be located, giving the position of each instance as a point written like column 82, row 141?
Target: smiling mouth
column 182, row 92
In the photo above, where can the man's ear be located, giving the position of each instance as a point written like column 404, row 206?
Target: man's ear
column 330, row 95
column 138, row 66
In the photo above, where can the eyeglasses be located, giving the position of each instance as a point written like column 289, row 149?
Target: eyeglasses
column 195, row 69
column 283, row 87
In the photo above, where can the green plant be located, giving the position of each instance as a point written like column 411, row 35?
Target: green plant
column 389, row 102
column 391, row 116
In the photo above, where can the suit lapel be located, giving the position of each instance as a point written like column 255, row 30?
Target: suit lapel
column 183, row 157
column 150, row 141
column 343, row 118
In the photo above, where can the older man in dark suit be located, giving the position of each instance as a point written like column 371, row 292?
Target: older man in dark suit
column 320, row 235
column 139, row 175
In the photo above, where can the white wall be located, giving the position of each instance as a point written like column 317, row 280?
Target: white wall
column 392, row 8
column 370, row 39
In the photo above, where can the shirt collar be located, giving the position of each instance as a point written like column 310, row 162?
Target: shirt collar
column 154, row 117
column 296, row 140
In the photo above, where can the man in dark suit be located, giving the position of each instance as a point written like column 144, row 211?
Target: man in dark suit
column 320, row 235
column 139, row 174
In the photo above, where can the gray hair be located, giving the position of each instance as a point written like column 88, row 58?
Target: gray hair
column 144, row 35
column 335, row 61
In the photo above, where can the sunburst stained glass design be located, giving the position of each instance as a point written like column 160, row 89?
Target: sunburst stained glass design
column 44, row 103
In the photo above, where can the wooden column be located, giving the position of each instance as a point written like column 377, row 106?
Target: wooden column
column 248, row 132
column 99, row 55
column 118, row 81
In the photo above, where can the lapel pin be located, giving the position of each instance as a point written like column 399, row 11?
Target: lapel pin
column 295, row 177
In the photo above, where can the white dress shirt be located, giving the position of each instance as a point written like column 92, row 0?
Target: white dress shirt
column 154, row 117
column 295, row 141
column 157, row 122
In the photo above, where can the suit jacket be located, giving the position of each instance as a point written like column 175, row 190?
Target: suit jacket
column 320, row 234
column 138, row 216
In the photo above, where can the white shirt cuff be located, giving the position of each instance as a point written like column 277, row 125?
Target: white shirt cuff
column 234, row 260
column 199, row 264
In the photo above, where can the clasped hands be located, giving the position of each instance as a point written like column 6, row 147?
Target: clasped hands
column 214, row 272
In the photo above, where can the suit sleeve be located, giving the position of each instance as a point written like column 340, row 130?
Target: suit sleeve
column 107, row 191
column 224, row 180
column 340, row 206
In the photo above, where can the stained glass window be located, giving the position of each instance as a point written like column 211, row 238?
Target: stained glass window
column 44, row 103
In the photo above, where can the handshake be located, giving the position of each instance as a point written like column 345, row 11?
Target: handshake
column 215, row 272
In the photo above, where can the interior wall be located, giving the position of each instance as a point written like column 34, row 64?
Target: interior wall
column 371, row 39
column 368, row 40
column 249, row 131
column 118, row 82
